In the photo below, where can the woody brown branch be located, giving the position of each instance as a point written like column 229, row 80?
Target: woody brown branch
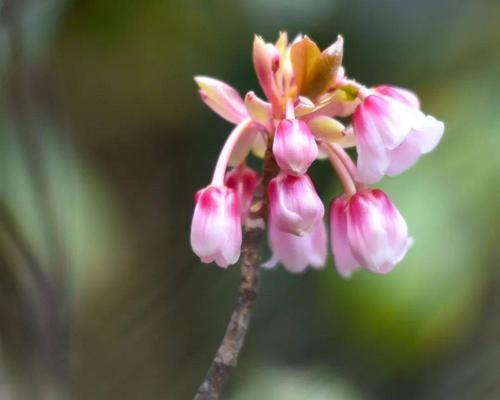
column 226, row 357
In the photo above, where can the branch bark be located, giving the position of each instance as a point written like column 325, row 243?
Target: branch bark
column 226, row 357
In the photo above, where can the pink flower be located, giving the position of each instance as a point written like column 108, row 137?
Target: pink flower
column 306, row 91
column 294, row 147
column 243, row 181
column 216, row 226
column 367, row 231
column 297, row 252
column 294, row 204
column 392, row 133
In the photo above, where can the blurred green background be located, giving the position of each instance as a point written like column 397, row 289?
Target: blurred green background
column 103, row 142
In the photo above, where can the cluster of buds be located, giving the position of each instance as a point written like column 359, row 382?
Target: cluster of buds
column 306, row 91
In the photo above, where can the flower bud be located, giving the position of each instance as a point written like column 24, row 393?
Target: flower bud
column 326, row 129
column 216, row 226
column 297, row 252
column 304, row 106
column 367, row 231
column 266, row 60
column 294, row 147
column 294, row 204
column 392, row 134
column 222, row 98
column 259, row 110
column 244, row 181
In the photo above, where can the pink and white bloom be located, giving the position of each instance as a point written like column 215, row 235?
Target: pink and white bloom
column 367, row 231
column 243, row 180
column 294, row 205
column 306, row 91
column 294, row 252
column 392, row 133
column 216, row 226
column 294, row 146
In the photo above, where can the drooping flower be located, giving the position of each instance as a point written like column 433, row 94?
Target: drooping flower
column 392, row 133
column 294, row 204
column 216, row 226
column 296, row 253
column 294, row 147
column 423, row 137
column 243, row 180
column 367, row 231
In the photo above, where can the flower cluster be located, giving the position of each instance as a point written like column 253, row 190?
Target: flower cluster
column 306, row 91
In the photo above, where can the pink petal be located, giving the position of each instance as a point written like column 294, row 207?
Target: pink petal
column 404, row 95
column 265, row 59
column 296, row 253
column 294, row 147
column 318, row 242
column 345, row 262
column 429, row 132
column 377, row 232
column 244, row 181
column 391, row 119
column 421, row 140
column 373, row 158
column 294, row 205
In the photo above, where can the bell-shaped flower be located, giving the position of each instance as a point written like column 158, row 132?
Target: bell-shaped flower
column 222, row 98
column 294, row 205
column 243, row 180
column 259, row 110
column 296, row 253
column 392, row 134
column 423, row 137
column 216, row 226
column 294, row 146
column 266, row 60
column 367, row 231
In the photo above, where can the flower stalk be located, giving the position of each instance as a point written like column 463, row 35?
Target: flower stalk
column 227, row 150
column 342, row 168
column 227, row 354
